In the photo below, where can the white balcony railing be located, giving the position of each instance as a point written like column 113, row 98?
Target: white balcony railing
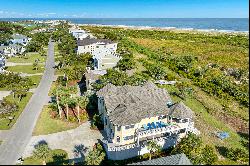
column 161, row 130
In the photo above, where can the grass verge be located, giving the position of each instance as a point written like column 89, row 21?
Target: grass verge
column 36, row 80
column 57, row 157
column 29, row 58
column 26, row 69
column 5, row 121
column 47, row 125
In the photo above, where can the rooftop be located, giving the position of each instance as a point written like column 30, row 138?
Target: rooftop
column 178, row 159
column 130, row 104
column 18, row 36
column 88, row 41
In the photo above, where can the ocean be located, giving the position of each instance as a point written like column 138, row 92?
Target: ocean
column 206, row 24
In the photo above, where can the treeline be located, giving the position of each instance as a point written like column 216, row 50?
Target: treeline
column 7, row 29
column 39, row 40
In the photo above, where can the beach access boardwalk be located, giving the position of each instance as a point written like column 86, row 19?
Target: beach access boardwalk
column 17, row 138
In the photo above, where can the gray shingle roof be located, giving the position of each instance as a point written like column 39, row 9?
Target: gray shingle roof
column 87, row 41
column 180, row 110
column 178, row 159
column 130, row 104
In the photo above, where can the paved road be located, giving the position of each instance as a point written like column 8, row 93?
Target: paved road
column 20, row 134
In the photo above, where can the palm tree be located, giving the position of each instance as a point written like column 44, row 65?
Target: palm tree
column 95, row 156
column 152, row 147
column 35, row 65
column 81, row 102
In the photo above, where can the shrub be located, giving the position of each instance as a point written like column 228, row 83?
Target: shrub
column 238, row 154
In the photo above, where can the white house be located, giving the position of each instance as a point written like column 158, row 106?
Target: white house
column 20, row 39
column 2, row 63
column 103, row 51
column 12, row 50
column 79, row 34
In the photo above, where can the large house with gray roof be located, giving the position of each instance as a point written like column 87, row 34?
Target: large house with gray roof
column 102, row 50
column 178, row 159
column 133, row 115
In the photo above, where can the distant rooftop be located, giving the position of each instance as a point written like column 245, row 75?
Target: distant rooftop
column 19, row 36
column 130, row 104
column 88, row 41
column 178, row 159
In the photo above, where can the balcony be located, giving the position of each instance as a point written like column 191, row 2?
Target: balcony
column 167, row 128
column 116, row 147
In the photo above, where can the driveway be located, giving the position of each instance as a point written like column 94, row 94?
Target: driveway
column 19, row 135
column 76, row 142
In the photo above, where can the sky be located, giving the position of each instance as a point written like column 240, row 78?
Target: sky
column 124, row 8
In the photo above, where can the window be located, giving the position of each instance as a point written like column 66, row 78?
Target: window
column 128, row 137
column 118, row 128
column 118, row 139
column 97, row 46
column 129, row 126
column 162, row 117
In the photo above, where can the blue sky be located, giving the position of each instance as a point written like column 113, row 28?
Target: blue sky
column 124, row 8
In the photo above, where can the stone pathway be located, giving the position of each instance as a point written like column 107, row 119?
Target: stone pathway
column 76, row 142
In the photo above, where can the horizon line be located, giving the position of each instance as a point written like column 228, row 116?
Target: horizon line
column 123, row 17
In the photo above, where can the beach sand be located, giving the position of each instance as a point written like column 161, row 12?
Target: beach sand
column 173, row 29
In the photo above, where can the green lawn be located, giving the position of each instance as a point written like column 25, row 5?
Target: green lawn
column 47, row 125
column 30, row 58
column 58, row 157
column 26, row 69
column 4, row 120
column 36, row 79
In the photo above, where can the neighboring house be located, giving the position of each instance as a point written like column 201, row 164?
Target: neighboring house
column 20, row 39
column 133, row 115
column 12, row 50
column 103, row 51
column 79, row 34
column 2, row 63
column 178, row 159
column 91, row 76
